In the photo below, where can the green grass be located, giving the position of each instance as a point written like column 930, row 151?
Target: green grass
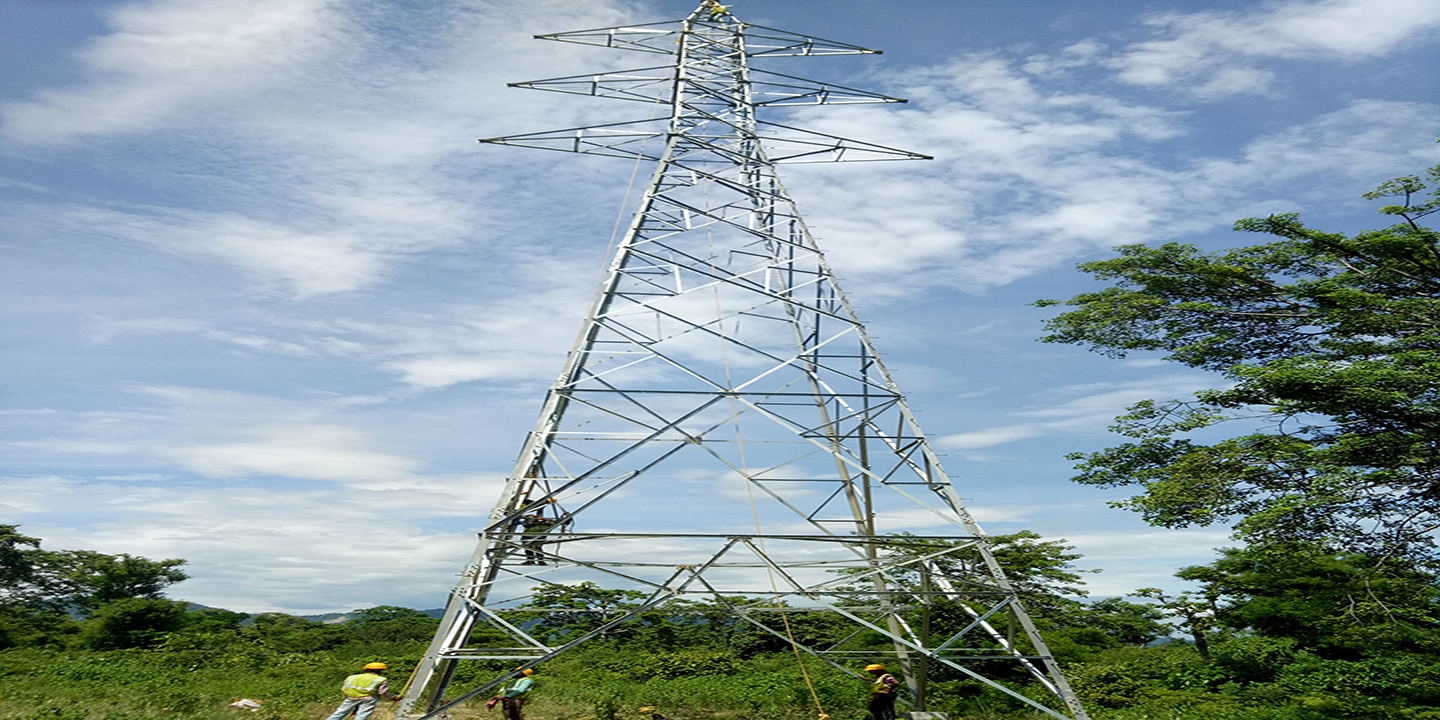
column 198, row 681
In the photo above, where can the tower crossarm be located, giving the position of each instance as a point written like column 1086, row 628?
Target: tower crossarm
column 634, row 139
column 651, row 84
column 662, row 37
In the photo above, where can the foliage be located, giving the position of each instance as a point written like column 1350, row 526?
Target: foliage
column 132, row 623
column 563, row 612
column 42, row 590
column 683, row 663
column 1043, row 574
column 1126, row 622
column 1287, row 622
column 17, row 568
column 291, row 634
column 1040, row 571
column 1340, row 606
column 1328, row 341
column 75, row 579
column 1196, row 614
column 86, row 580
column 387, row 623
column 385, row 613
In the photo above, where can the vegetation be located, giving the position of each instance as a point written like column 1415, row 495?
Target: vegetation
column 1330, row 345
column 1329, row 608
column 1293, row 633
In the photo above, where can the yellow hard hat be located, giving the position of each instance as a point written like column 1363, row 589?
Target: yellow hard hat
column 876, row 666
column 376, row 666
column 529, row 671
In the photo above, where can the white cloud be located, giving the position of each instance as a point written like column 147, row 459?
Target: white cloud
column 1207, row 53
column 1130, row 560
column 259, row 549
column 230, row 435
column 1367, row 138
column 332, row 146
column 278, row 255
column 315, row 451
column 989, row 437
column 168, row 56
column 1029, row 174
column 1092, row 409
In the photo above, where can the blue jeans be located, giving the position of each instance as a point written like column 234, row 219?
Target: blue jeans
column 363, row 707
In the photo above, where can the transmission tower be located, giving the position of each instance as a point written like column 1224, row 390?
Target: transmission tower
column 723, row 433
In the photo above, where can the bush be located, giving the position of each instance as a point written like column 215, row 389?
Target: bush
column 131, row 623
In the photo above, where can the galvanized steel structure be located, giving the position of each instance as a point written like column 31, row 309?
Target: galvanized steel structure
column 723, row 398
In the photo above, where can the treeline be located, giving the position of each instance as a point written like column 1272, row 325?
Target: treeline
column 85, row 600
column 1279, row 632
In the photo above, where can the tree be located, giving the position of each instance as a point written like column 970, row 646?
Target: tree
column 1039, row 570
column 1196, row 614
column 389, row 623
column 386, row 613
column 1338, row 606
column 204, row 620
column 1331, row 347
column 86, row 580
column 17, row 569
column 132, row 623
column 564, row 612
column 292, row 634
column 41, row 589
column 1129, row 623
column 1044, row 576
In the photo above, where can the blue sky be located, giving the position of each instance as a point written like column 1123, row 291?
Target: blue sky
column 270, row 308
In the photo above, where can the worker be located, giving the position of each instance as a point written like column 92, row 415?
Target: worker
column 362, row 693
column 512, row 695
column 537, row 527
column 882, row 692
column 716, row 9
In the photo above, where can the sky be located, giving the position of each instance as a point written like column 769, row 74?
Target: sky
column 270, row 308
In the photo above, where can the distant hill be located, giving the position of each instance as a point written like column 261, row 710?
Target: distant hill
column 340, row 618
column 334, row 618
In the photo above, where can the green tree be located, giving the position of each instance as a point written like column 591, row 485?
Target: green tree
column 1331, row 348
column 1128, row 623
column 1043, row 574
column 1040, row 570
column 1338, row 606
column 132, row 623
column 17, row 567
column 86, row 580
column 388, row 623
column 385, row 613
column 41, row 589
column 563, row 612
column 1196, row 615
column 292, row 634
column 214, row 620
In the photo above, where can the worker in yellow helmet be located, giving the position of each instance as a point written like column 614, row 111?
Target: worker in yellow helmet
column 362, row 692
column 512, row 694
column 882, row 692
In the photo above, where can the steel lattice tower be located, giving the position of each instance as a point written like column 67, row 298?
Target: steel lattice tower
column 723, row 397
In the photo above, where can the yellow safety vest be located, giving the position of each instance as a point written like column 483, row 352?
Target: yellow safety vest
column 880, row 687
column 362, row 685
